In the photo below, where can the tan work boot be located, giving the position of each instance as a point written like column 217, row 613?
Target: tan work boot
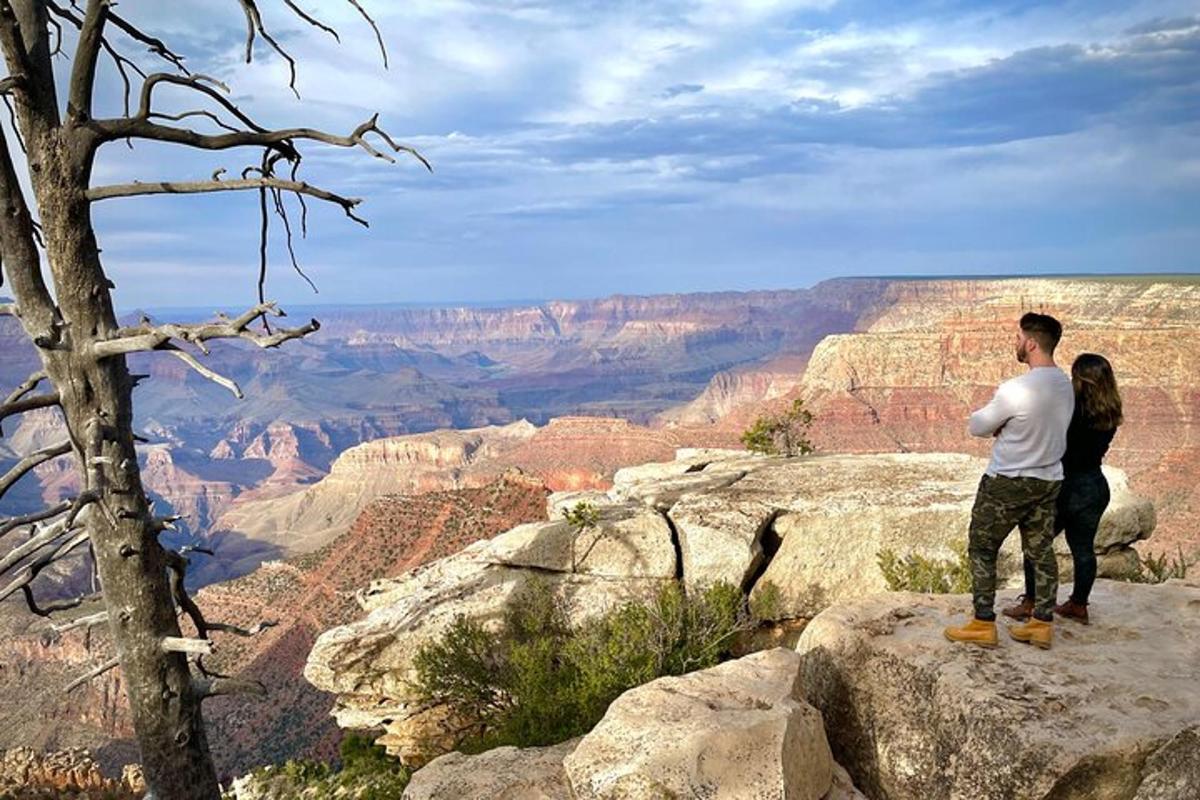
column 1023, row 609
column 1036, row 632
column 976, row 631
column 1072, row 610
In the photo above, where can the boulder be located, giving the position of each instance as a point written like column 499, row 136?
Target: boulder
column 736, row 730
column 1109, row 713
column 506, row 773
column 629, row 541
column 845, row 509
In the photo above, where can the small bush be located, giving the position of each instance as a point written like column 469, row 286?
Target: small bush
column 582, row 517
column 367, row 773
column 781, row 434
column 1159, row 569
column 916, row 573
column 538, row 680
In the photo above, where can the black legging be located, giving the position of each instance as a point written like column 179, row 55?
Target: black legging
column 1081, row 504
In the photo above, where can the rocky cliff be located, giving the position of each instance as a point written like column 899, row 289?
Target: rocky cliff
column 305, row 596
column 567, row 453
column 931, row 351
column 809, row 528
column 876, row 704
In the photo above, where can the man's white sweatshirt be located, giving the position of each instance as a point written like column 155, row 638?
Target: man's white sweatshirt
column 1032, row 413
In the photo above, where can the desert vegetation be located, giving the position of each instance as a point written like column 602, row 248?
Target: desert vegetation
column 1159, row 568
column 364, row 772
column 538, row 679
column 785, row 433
column 917, row 573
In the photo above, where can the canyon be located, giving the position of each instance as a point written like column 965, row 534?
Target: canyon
column 393, row 439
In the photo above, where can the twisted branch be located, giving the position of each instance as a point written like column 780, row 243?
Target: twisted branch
column 26, row 464
column 96, row 672
column 138, row 189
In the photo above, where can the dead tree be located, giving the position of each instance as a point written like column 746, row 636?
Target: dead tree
column 83, row 349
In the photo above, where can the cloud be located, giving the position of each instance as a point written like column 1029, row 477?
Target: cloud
column 588, row 146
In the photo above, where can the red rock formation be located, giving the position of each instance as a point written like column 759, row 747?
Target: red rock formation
column 306, row 595
column 26, row 774
column 934, row 350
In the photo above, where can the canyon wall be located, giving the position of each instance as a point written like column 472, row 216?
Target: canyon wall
column 932, row 351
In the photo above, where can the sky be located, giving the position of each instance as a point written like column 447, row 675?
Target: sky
column 582, row 148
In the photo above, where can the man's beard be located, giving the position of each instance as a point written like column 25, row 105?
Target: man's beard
column 1022, row 357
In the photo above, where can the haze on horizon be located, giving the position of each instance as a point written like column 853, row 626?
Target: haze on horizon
column 586, row 149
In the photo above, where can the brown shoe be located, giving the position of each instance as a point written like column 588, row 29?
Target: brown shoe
column 1023, row 609
column 1072, row 610
column 1035, row 632
column 976, row 631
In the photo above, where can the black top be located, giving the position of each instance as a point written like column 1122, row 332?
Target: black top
column 1086, row 446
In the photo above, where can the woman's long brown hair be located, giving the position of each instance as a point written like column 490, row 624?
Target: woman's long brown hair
column 1096, row 394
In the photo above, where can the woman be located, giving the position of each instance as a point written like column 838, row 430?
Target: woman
column 1084, row 494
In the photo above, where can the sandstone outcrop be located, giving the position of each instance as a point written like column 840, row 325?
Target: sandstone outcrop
column 738, row 730
column 629, row 556
column 1110, row 712
column 505, row 773
column 26, row 774
column 796, row 534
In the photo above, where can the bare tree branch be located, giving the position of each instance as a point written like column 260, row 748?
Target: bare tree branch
column 99, row 618
column 203, row 187
column 206, row 687
column 205, row 372
column 12, row 523
column 27, row 386
column 32, row 569
column 96, row 672
column 41, row 538
column 316, row 23
column 281, row 140
column 374, row 27
column 26, row 464
column 150, row 337
column 9, row 409
column 183, row 644
column 87, row 52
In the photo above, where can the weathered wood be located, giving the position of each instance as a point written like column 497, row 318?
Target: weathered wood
column 82, row 351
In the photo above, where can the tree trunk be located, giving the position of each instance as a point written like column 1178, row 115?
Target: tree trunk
column 96, row 396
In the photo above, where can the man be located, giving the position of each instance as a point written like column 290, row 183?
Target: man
column 1029, row 417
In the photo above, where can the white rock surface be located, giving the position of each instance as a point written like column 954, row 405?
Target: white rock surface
column 733, row 731
column 1109, row 713
column 506, row 773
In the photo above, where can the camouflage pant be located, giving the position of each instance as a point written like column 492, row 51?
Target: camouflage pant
column 1000, row 505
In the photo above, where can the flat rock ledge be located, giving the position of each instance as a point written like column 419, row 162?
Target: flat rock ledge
column 1111, row 712
column 737, row 730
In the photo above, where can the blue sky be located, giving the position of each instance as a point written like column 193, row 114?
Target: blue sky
column 583, row 148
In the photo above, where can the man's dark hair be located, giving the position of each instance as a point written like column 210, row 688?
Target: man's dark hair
column 1043, row 329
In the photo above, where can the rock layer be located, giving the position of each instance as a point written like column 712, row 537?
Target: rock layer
column 1110, row 712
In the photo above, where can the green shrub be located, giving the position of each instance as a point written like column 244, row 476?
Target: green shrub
column 916, row 573
column 367, row 773
column 538, row 680
column 582, row 517
column 1158, row 569
column 781, row 434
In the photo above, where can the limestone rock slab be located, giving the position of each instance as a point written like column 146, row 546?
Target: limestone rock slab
column 1110, row 711
column 506, row 773
column 736, row 730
